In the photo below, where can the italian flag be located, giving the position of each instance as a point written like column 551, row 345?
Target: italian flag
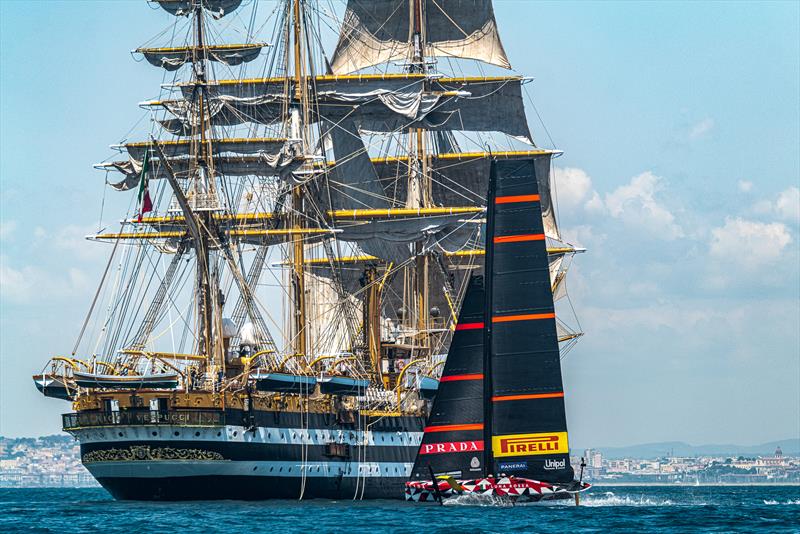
column 144, row 192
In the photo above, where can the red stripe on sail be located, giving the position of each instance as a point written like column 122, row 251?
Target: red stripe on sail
column 502, row 398
column 455, row 378
column 453, row 428
column 469, row 326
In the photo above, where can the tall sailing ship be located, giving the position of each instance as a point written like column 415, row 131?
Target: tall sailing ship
column 277, row 306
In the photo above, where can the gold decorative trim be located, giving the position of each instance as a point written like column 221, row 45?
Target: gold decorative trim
column 145, row 453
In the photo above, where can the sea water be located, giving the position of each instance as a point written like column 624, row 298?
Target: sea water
column 752, row 509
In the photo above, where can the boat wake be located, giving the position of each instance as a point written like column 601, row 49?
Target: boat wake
column 598, row 501
column 790, row 502
column 611, row 499
column 474, row 499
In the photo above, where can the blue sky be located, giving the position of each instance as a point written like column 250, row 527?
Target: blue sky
column 680, row 124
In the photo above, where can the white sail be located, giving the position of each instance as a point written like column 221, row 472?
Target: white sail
column 379, row 31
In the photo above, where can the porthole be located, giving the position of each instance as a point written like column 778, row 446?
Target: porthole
column 154, row 433
column 219, row 434
column 120, row 434
column 235, row 433
column 254, row 468
column 177, row 433
column 197, row 434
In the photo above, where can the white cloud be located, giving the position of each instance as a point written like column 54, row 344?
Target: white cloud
column 28, row 283
column 72, row 238
column 7, row 228
column 583, row 236
column 573, row 186
column 748, row 244
column 701, row 128
column 636, row 205
column 71, row 241
column 745, row 186
column 787, row 206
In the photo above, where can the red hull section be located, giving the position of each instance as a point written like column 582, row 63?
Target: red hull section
column 513, row 488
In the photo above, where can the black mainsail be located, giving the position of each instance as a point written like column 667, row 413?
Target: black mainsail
column 529, row 426
column 453, row 440
column 501, row 390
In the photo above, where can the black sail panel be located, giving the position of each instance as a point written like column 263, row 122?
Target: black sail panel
column 528, row 421
column 453, row 439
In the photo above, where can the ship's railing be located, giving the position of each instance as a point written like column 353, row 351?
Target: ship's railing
column 73, row 421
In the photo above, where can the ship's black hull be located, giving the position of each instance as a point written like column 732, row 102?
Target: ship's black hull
column 283, row 459
column 248, row 488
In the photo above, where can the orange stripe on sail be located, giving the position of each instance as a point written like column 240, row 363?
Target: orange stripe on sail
column 518, row 238
column 451, row 428
column 516, row 198
column 528, row 317
column 528, row 397
column 454, row 378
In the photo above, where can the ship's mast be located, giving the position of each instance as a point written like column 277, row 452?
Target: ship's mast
column 203, row 187
column 419, row 184
column 298, row 122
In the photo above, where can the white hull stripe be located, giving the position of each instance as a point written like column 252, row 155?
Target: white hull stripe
column 193, row 468
column 239, row 434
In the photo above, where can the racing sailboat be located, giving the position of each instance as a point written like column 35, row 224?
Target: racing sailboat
column 498, row 426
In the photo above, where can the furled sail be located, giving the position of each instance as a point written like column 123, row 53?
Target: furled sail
column 401, row 232
column 378, row 31
column 184, row 7
column 375, row 102
column 281, row 164
column 183, row 147
column 453, row 439
column 477, row 106
column 173, row 58
column 221, row 111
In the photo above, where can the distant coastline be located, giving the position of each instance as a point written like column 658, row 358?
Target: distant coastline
column 55, row 462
